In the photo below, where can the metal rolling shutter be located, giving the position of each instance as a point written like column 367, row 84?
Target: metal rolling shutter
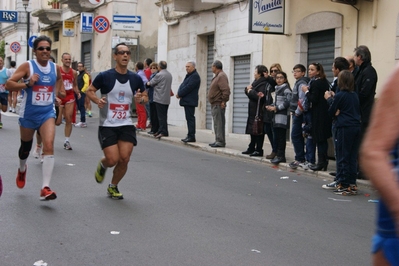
column 209, row 76
column 86, row 52
column 321, row 50
column 242, row 74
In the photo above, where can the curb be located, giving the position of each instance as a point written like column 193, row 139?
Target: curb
column 234, row 153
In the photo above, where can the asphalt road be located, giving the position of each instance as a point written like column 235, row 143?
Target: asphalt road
column 182, row 206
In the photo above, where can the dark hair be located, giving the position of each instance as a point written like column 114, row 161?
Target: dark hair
column 13, row 63
column 217, row 64
column 284, row 75
column 140, row 65
column 62, row 56
column 364, row 52
column 346, row 81
column 80, row 63
column 320, row 68
column 163, row 64
column 40, row 39
column 300, row 66
column 116, row 47
column 261, row 69
column 52, row 59
column 341, row 63
column 148, row 61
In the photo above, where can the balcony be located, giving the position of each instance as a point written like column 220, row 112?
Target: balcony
column 49, row 14
column 80, row 6
column 196, row 5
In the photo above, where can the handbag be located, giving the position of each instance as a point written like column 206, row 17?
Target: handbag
column 257, row 126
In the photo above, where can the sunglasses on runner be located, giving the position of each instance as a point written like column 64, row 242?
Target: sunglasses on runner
column 123, row 52
column 42, row 48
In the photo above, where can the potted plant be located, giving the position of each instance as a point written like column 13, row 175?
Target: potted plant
column 55, row 4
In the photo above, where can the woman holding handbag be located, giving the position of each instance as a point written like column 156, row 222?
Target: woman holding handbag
column 255, row 93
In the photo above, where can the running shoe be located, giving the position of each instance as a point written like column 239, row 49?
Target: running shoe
column 1, row 125
column 89, row 113
column 47, row 194
column 100, row 173
column 21, row 178
column 113, row 192
column 81, row 124
column 67, row 145
column 38, row 150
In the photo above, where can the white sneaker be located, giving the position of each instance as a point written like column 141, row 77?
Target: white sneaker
column 13, row 110
column 41, row 158
column 304, row 165
column 38, row 150
column 81, row 124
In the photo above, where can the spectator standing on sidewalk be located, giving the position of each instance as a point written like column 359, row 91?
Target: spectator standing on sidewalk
column 366, row 83
column 256, row 92
column 116, row 132
column 140, row 109
column 345, row 110
column 188, row 98
column 83, row 85
column 281, row 115
column 379, row 160
column 218, row 96
column 148, row 73
column 298, row 96
column 320, row 129
column 153, row 108
column 162, row 84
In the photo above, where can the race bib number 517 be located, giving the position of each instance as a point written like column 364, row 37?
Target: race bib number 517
column 42, row 95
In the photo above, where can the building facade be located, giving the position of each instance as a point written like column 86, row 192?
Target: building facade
column 61, row 21
column 315, row 31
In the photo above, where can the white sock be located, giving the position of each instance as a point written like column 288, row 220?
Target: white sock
column 22, row 164
column 47, row 169
column 66, row 139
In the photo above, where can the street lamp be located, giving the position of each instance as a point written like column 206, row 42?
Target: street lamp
column 25, row 3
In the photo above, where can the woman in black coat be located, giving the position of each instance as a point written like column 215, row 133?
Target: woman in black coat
column 255, row 93
column 320, row 119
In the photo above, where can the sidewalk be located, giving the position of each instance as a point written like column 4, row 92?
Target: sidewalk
column 236, row 143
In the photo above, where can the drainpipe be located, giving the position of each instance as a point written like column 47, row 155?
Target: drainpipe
column 357, row 25
column 374, row 18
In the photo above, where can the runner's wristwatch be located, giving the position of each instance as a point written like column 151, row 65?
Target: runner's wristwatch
column 27, row 83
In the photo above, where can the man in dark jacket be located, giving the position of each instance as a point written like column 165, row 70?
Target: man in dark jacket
column 188, row 95
column 366, row 83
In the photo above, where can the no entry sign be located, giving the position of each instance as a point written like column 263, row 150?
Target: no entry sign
column 100, row 24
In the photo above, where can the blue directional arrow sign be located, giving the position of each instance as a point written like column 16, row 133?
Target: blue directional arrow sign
column 125, row 22
column 31, row 40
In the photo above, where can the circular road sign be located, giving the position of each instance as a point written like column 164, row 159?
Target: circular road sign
column 15, row 47
column 31, row 40
column 100, row 24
